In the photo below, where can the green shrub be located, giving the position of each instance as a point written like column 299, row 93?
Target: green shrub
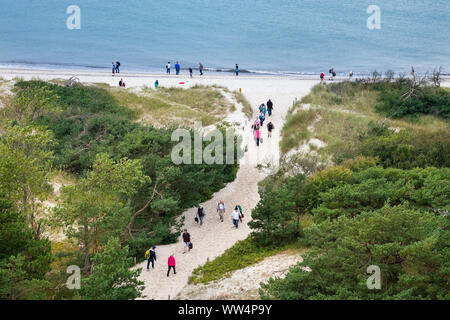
column 395, row 102
column 408, row 149
column 242, row 254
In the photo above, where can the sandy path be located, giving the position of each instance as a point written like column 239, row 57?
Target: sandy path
column 214, row 237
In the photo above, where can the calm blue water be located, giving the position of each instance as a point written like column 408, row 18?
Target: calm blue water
column 306, row 36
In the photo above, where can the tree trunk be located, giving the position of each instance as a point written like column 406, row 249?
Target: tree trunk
column 130, row 224
column 86, row 249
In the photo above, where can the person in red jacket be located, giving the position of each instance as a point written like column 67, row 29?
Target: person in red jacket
column 171, row 264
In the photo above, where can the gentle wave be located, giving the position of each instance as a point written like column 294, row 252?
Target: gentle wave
column 20, row 64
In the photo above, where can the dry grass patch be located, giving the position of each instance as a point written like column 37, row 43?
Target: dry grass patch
column 338, row 115
column 246, row 107
column 164, row 107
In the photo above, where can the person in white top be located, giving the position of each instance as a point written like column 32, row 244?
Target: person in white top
column 168, row 67
column 236, row 214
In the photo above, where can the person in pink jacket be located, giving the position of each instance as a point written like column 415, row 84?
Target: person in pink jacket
column 171, row 264
column 257, row 136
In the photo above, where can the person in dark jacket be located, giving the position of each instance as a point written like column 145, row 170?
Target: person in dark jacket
column 270, row 127
column 152, row 258
column 186, row 240
column 269, row 107
column 201, row 214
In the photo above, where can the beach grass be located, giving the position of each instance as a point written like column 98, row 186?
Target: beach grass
column 242, row 254
column 246, row 107
column 163, row 107
column 338, row 115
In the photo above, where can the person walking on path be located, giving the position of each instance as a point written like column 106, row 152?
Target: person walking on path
column 262, row 118
column 117, row 66
column 186, row 240
column 171, row 263
column 236, row 215
column 190, row 72
column 152, row 258
column 262, row 108
column 113, row 69
column 269, row 107
column 200, row 68
column 255, row 126
column 177, row 68
column 270, row 127
column 221, row 209
column 257, row 136
column 168, row 67
column 236, row 70
column 201, row 214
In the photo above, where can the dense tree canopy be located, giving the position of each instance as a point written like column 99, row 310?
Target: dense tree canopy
column 411, row 248
column 24, row 260
column 112, row 278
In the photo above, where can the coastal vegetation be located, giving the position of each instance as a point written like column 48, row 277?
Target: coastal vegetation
column 352, row 118
column 380, row 197
column 242, row 254
column 124, row 192
column 247, row 108
column 374, row 193
column 165, row 107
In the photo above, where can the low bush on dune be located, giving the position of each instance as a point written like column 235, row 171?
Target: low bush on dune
column 397, row 101
column 406, row 149
column 242, row 254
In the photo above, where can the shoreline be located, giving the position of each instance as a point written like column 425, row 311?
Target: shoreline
column 208, row 73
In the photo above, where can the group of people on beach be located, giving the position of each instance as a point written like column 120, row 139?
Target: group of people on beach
column 237, row 215
column 333, row 75
column 259, row 122
column 115, row 67
column 200, row 69
column 178, row 68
